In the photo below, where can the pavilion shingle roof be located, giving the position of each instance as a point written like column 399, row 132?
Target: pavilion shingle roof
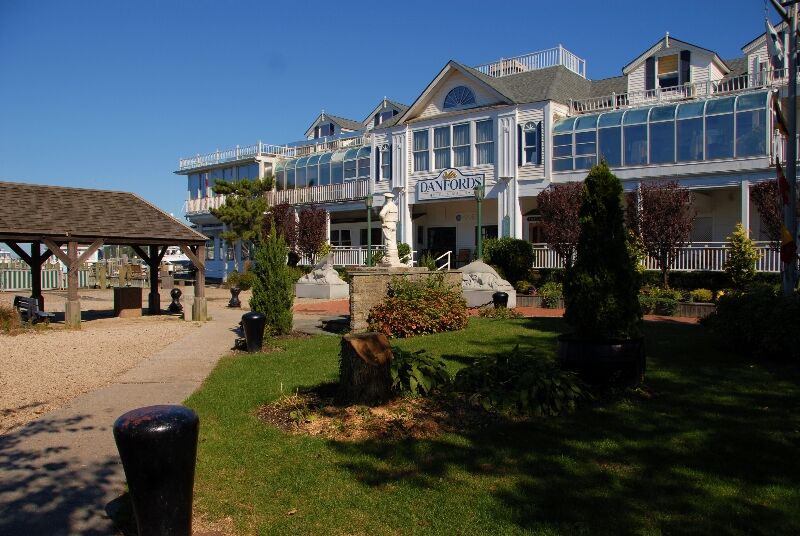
column 57, row 212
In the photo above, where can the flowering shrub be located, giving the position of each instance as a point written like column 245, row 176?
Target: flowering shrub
column 701, row 295
column 427, row 305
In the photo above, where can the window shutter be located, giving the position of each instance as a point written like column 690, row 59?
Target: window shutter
column 377, row 164
column 686, row 61
column 540, row 143
column 390, row 162
column 650, row 73
column 520, row 141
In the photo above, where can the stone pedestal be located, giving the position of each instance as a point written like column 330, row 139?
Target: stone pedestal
column 72, row 314
column 368, row 287
column 199, row 309
column 127, row 301
column 324, row 292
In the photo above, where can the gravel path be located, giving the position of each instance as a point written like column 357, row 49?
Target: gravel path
column 42, row 370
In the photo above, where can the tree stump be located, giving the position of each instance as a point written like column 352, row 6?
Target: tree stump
column 365, row 375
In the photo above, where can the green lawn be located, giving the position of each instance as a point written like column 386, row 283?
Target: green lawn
column 715, row 451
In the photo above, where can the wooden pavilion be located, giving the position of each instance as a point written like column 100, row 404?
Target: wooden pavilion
column 54, row 216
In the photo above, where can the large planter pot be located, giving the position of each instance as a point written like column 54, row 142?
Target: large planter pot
column 600, row 362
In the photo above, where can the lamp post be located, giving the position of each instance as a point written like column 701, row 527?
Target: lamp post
column 480, row 193
column 368, row 204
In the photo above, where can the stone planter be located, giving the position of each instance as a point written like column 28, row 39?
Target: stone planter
column 599, row 362
column 234, row 301
column 695, row 309
column 536, row 301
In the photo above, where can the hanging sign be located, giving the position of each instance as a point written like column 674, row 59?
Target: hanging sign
column 450, row 183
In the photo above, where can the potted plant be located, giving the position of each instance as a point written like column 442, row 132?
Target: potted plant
column 601, row 290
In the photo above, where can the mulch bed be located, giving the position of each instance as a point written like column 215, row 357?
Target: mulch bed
column 316, row 412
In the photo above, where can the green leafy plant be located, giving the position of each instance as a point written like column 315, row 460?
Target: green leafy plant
column 242, row 280
column 523, row 287
column 377, row 257
column 513, row 257
column 522, row 383
column 416, row 307
column 701, row 295
column 273, row 292
column 9, row 319
column 417, row 373
column 742, row 256
column 403, row 252
column 601, row 288
column 551, row 293
column 498, row 313
column 660, row 301
column 427, row 261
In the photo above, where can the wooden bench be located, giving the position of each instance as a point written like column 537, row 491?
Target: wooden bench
column 29, row 309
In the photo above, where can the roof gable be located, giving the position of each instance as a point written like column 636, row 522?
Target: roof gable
column 670, row 42
column 385, row 104
column 342, row 122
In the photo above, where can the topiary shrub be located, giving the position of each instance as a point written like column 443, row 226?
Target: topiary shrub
column 601, row 289
column 701, row 295
column 273, row 285
column 759, row 322
column 742, row 256
column 513, row 257
column 417, row 373
column 551, row 293
column 520, row 383
column 427, row 305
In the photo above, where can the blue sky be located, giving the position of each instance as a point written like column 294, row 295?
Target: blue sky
column 111, row 94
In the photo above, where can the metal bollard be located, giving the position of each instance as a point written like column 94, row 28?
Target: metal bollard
column 253, row 324
column 158, row 447
column 500, row 299
column 175, row 306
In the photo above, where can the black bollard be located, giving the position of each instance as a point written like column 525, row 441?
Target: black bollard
column 253, row 326
column 235, row 297
column 158, row 447
column 500, row 299
column 175, row 306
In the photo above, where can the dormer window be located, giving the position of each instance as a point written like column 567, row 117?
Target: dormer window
column 671, row 70
column 668, row 71
column 325, row 129
column 459, row 97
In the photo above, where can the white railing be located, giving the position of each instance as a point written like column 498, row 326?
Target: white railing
column 445, row 258
column 266, row 149
column 203, row 204
column 347, row 191
column 347, row 255
column 533, row 61
column 237, row 153
column 698, row 256
column 710, row 88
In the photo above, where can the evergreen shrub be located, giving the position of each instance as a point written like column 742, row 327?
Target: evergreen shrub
column 512, row 257
column 660, row 301
column 273, row 285
column 417, row 373
column 417, row 307
column 701, row 295
column 551, row 293
column 601, row 289
column 742, row 256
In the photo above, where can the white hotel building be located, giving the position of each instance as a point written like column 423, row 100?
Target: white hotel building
column 678, row 112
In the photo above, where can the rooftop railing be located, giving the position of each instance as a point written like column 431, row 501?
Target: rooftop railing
column 692, row 90
column 533, row 61
column 265, row 149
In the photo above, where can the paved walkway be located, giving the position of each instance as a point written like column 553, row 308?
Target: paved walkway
column 59, row 472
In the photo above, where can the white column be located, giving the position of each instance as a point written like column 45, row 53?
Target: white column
column 404, row 214
column 745, row 189
column 514, row 210
column 327, row 226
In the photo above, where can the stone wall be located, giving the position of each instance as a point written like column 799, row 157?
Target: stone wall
column 369, row 286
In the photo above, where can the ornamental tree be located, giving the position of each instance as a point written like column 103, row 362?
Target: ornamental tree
column 243, row 211
column 311, row 231
column 559, row 205
column 663, row 218
column 601, row 289
column 273, row 286
column 742, row 256
column 282, row 218
column 767, row 199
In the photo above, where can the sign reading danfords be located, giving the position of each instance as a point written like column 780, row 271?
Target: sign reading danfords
column 449, row 183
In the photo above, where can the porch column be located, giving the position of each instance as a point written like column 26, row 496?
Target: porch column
column 72, row 309
column 199, row 307
column 328, row 225
column 154, row 299
column 745, row 189
column 404, row 232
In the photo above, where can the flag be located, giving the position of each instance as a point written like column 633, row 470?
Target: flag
column 780, row 120
column 783, row 184
column 788, row 246
column 777, row 55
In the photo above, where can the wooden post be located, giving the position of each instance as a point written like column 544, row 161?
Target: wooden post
column 154, row 300
column 365, row 369
column 36, row 273
column 72, row 310
column 197, row 254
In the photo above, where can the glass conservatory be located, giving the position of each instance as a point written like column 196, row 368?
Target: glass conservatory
column 322, row 169
column 722, row 128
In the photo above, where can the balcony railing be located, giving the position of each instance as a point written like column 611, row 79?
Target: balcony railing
column 347, row 255
column 698, row 256
column 331, row 193
column 266, row 149
column 710, row 88
column 535, row 60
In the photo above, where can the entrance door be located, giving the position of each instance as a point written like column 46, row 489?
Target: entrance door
column 441, row 240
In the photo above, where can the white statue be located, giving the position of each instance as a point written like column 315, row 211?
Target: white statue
column 323, row 274
column 478, row 275
column 388, row 216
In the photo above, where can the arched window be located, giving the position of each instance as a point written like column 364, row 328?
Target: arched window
column 459, row 96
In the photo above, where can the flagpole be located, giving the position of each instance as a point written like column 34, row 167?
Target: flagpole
column 790, row 210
